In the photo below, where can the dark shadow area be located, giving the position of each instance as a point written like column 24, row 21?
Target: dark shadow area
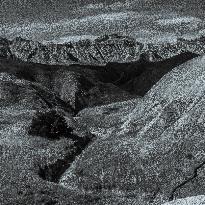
column 138, row 77
column 50, row 125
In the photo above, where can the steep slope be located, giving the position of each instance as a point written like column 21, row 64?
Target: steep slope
column 4, row 48
column 158, row 153
column 136, row 78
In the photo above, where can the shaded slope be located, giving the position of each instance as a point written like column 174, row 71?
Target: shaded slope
column 139, row 77
column 78, row 86
column 83, row 86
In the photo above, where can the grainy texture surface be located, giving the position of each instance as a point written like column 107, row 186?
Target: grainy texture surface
column 102, row 102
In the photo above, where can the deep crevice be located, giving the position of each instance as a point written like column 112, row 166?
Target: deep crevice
column 52, row 126
column 53, row 172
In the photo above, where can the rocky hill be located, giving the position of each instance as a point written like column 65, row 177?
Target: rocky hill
column 150, row 150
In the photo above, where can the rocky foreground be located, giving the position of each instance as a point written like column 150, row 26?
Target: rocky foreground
column 119, row 133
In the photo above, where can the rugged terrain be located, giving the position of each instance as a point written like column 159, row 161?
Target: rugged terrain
column 105, row 49
column 102, row 132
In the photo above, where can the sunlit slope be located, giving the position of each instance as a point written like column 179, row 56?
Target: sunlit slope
column 160, row 147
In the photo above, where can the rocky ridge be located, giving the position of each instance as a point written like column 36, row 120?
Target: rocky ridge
column 108, row 48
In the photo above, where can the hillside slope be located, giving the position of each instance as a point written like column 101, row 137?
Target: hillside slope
column 158, row 153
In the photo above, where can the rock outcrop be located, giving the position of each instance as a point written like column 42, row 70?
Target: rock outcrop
column 99, row 52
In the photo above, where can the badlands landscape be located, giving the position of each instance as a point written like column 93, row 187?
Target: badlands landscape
column 102, row 115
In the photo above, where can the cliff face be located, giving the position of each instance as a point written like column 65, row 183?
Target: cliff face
column 112, row 48
column 85, row 52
